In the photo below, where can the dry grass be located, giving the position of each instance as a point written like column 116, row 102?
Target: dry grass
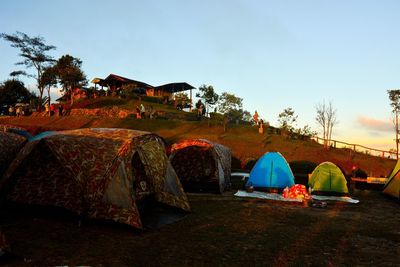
column 244, row 141
column 221, row 231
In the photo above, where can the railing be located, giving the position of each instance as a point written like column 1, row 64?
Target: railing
column 356, row 148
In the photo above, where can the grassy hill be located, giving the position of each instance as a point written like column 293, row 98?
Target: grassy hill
column 244, row 140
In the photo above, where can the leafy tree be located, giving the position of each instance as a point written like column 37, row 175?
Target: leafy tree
column 229, row 102
column 33, row 51
column 49, row 80
column 231, row 106
column 181, row 97
column 14, row 91
column 208, row 95
column 287, row 119
column 326, row 118
column 70, row 74
column 394, row 97
column 246, row 116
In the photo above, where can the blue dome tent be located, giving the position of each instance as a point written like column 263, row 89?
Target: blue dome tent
column 271, row 172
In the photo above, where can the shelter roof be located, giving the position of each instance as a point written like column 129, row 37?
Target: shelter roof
column 116, row 78
column 175, row 87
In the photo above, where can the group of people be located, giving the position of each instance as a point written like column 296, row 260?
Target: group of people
column 258, row 122
column 141, row 112
column 51, row 109
column 15, row 111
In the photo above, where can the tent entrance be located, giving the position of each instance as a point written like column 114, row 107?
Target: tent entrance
column 197, row 170
column 142, row 185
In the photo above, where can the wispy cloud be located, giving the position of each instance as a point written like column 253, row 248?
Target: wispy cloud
column 374, row 124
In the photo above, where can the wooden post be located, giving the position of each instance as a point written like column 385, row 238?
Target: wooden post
column 397, row 135
column 191, row 103
column 354, row 148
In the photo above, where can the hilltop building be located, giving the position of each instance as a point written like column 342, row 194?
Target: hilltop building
column 116, row 84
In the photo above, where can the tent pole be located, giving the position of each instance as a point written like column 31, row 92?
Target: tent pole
column 270, row 175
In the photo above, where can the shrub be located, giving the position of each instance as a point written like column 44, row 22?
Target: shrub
column 235, row 163
column 360, row 173
column 250, row 164
column 302, row 166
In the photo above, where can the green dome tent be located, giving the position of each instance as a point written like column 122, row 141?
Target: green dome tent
column 392, row 186
column 327, row 178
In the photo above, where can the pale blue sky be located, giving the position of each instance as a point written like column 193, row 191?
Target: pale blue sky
column 273, row 54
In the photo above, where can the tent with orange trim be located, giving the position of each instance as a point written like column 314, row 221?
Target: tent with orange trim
column 202, row 165
column 98, row 173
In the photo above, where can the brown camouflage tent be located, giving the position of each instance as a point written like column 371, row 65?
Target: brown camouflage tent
column 10, row 144
column 201, row 165
column 99, row 173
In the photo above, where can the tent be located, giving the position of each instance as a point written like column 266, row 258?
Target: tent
column 271, row 172
column 327, row 178
column 10, row 144
column 201, row 165
column 98, row 173
column 392, row 186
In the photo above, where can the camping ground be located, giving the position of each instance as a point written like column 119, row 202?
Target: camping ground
column 222, row 230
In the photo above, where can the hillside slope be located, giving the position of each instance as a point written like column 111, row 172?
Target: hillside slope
column 245, row 141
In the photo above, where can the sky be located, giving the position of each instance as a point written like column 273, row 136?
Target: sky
column 273, row 54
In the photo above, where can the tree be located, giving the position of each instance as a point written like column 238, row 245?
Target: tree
column 208, row 95
column 287, row 119
column 326, row 118
column 33, row 50
column 14, row 91
column 49, row 80
column 231, row 106
column 181, row 98
column 70, row 75
column 394, row 97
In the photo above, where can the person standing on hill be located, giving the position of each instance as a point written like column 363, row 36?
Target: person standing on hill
column 47, row 108
column 11, row 110
column 137, row 112
column 255, row 118
column 52, row 109
column 142, row 111
column 261, row 126
column 60, row 110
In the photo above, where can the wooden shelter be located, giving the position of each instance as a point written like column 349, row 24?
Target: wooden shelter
column 115, row 83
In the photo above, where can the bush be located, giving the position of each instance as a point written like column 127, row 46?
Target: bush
column 235, row 163
column 360, row 173
column 153, row 99
column 302, row 166
column 250, row 164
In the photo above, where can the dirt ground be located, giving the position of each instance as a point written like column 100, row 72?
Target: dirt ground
column 222, row 230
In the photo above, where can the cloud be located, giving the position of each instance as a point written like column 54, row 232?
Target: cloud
column 374, row 124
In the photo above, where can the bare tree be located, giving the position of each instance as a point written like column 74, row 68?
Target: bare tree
column 326, row 118
column 331, row 120
column 394, row 97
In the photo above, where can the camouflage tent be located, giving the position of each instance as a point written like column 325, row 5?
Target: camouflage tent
column 10, row 144
column 99, row 173
column 202, row 165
